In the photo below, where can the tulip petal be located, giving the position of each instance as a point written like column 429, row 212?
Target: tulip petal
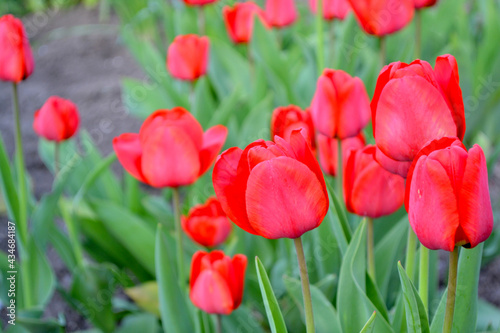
column 393, row 166
column 213, row 140
column 354, row 107
column 237, row 278
column 211, row 293
column 129, row 152
column 196, row 266
column 325, row 99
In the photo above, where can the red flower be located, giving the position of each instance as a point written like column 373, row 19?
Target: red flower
column 239, row 20
column 447, row 195
column 327, row 151
column 275, row 190
column 217, row 281
column 369, row 189
column 16, row 59
column 281, row 13
column 57, row 120
column 424, row 3
column 340, row 107
column 413, row 105
column 383, row 17
column 207, row 224
column 332, row 9
column 198, row 2
column 187, row 57
column 286, row 119
column 170, row 150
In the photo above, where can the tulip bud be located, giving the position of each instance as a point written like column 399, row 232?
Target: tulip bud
column 198, row 2
column 281, row 13
column 328, row 154
column 424, row 3
column 57, row 120
column 332, row 9
column 286, row 119
column 187, row 57
column 239, row 20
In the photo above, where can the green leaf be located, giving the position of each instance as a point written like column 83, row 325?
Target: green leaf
column 488, row 316
column 146, row 296
column 7, row 185
column 274, row 316
column 370, row 324
column 35, row 325
column 338, row 219
column 141, row 322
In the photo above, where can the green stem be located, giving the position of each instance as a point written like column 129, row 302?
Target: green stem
column 332, row 43
column 250, row 61
column 339, row 171
column 423, row 276
column 201, row 20
column 452, row 288
column 382, row 51
column 56, row 159
column 178, row 231
column 192, row 96
column 418, row 34
column 219, row 323
column 411, row 248
column 319, row 41
column 306, row 292
column 371, row 249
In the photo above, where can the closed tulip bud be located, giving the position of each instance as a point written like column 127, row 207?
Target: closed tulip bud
column 447, row 195
column 281, row 13
column 170, row 150
column 327, row 151
column 412, row 105
column 369, row 189
column 207, row 224
column 57, row 120
column 187, row 57
column 424, row 3
column 16, row 59
column 340, row 107
column 286, row 119
column 198, row 2
column 272, row 189
column 332, row 9
column 217, row 281
column 383, row 17
column 239, row 20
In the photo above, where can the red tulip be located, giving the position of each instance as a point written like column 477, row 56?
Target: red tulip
column 328, row 151
column 383, row 17
column 275, row 190
column 447, row 195
column 413, row 105
column 340, row 107
column 170, row 150
column 332, row 9
column 424, row 3
column 239, row 20
column 286, row 119
column 281, row 13
column 16, row 59
column 207, row 224
column 217, row 281
column 57, row 120
column 187, row 57
column 369, row 189
column 198, row 2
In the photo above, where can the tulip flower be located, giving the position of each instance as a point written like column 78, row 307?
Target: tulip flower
column 286, row 119
column 57, row 120
column 412, row 105
column 383, row 17
column 447, row 195
column 328, row 154
column 275, row 190
column 187, row 57
column 170, row 150
column 198, row 2
column 217, row 281
column 424, row 3
column 332, row 9
column 340, row 107
column 281, row 13
column 239, row 20
column 207, row 224
column 16, row 58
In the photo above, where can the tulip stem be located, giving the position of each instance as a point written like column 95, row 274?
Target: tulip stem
column 250, row 60
column 339, row 170
column 219, row 323
column 371, row 249
column 306, row 292
column 452, row 288
column 201, row 20
column 192, row 96
column 332, row 43
column 319, row 34
column 410, row 253
column 418, row 34
column 423, row 276
column 56, row 159
column 178, row 231
column 382, row 51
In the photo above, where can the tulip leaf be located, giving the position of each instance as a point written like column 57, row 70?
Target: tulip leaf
column 338, row 220
column 146, row 296
column 370, row 324
column 140, row 322
column 7, row 186
column 274, row 316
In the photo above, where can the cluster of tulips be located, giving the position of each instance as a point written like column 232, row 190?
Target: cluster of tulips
column 277, row 189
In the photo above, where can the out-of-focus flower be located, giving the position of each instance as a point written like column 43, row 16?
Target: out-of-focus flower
column 57, row 120
column 187, row 57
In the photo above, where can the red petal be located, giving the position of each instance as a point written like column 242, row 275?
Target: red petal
column 211, row 293
column 237, row 278
column 196, row 266
column 354, row 107
column 213, row 140
column 129, row 152
column 323, row 107
column 393, row 166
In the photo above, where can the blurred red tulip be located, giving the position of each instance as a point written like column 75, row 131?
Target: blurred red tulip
column 170, row 150
column 260, row 188
column 332, row 9
column 217, row 281
column 16, row 59
column 187, row 57
column 369, row 189
column 383, row 17
column 207, row 224
column 198, row 2
column 340, row 107
column 413, row 105
column 57, row 120
column 280, row 13
column 239, row 20
column 286, row 119
column 447, row 195
column 328, row 151
column 424, row 3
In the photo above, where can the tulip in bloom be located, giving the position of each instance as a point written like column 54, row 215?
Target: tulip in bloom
column 413, row 105
column 275, row 190
column 57, row 120
column 328, row 151
column 170, row 150
column 16, row 59
column 424, row 3
column 207, row 224
column 187, row 57
column 383, row 17
column 286, row 119
column 198, row 2
column 280, row 13
column 239, row 20
column 217, row 281
column 340, row 107
column 447, row 195
column 332, row 9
